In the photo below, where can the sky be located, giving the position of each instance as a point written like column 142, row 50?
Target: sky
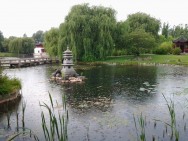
column 19, row 17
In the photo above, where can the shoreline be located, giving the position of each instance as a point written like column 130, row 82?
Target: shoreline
column 10, row 97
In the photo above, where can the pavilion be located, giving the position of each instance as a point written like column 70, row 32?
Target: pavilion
column 182, row 43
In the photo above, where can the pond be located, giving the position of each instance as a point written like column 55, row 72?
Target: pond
column 108, row 104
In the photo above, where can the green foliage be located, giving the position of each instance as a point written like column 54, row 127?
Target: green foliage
column 139, row 39
column 1, row 42
column 27, row 46
column 165, row 30
column 121, row 34
column 23, row 45
column 119, row 52
column 161, row 39
column 179, row 30
column 51, row 39
column 164, row 48
column 144, row 21
column 6, row 45
column 8, row 85
column 88, row 31
column 176, row 51
column 58, row 122
column 38, row 36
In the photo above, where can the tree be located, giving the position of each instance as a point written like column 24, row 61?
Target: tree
column 27, row 46
column 15, row 45
column 89, row 32
column 121, row 34
column 165, row 30
column 139, row 40
column 51, row 39
column 38, row 36
column 179, row 30
column 144, row 21
column 1, row 42
column 19, row 46
column 6, row 44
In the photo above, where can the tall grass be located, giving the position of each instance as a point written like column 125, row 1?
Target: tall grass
column 141, row 121
column 56, row 129
column 171, row 109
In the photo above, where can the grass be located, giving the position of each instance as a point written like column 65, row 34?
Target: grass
column 5, row 54
column 8, row 85
column 148, row 59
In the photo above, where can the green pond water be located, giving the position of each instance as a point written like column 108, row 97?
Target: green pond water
column 102, row 107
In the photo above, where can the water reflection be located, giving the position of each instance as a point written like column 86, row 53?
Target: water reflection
column 102, row 107
column 104, row 84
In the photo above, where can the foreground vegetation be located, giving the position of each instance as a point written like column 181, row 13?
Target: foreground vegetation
column 54, row 123
column 8, row 85
column 148, row 59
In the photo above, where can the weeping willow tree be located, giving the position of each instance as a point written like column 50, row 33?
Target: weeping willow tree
column 51, row 39
column 88, row 31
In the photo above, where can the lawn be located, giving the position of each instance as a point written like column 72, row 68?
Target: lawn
column 149, row 59
column 5, row 54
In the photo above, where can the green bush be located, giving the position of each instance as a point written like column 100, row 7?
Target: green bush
column 176, row 51
column 164, row 48
column 161, row 51
column 119, row 52
column 135, row 51
column 8, row 85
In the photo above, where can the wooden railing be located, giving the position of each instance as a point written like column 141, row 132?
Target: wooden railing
column 24, row 62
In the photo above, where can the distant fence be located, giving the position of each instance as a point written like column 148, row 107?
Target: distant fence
column 26, row 62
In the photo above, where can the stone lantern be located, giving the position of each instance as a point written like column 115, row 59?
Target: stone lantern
column 68, row 70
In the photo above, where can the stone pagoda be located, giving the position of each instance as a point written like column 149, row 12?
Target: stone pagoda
column 68, row 70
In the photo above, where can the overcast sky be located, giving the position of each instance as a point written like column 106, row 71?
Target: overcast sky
column 28, row 16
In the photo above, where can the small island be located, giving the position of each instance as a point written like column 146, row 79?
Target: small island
column 67, row 73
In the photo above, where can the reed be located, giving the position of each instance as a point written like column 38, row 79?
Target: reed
column 141, row 123
column 23, row 114
column 57, row 129
column 171, row 109
column 27, row 132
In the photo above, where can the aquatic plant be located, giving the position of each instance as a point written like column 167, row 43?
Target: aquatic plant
column 23, row 114
column 27, row 132
column 172, row 113
column 141, row 122
column 57, row 129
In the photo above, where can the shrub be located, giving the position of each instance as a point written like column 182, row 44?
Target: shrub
column 135, row 51
column 164, row 48
column 176, row 51
column 8, row 85
column 160, row 51
column 119, row 52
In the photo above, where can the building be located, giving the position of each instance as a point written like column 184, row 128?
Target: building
column 39, row 51
column 181, row 43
